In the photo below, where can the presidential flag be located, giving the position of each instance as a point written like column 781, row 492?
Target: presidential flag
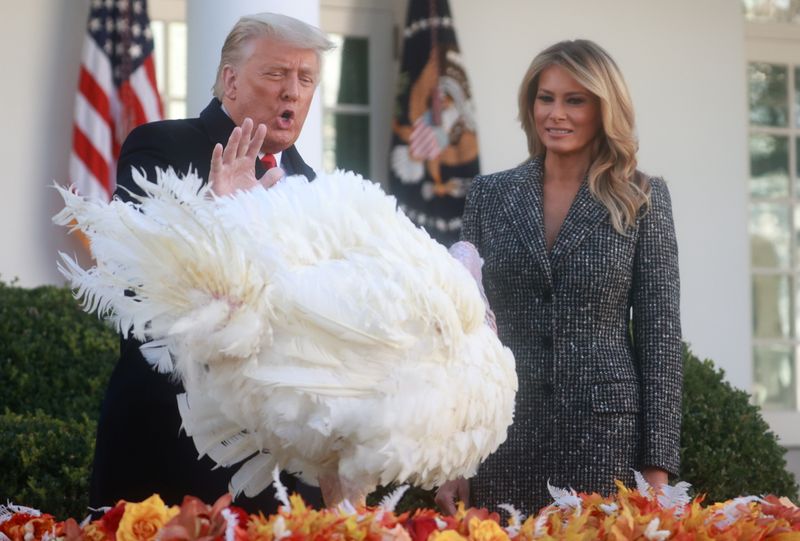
column 434, row 154
column 116, row 92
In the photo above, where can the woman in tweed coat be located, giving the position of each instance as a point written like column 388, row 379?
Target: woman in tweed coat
column 577, row 244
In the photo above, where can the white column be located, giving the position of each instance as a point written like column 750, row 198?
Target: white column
column 208, row 22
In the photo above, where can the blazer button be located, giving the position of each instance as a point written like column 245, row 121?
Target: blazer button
column 547, row 342
column 547, row 296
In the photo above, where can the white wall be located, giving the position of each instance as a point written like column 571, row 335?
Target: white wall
column 684, row 63
column 41, row 42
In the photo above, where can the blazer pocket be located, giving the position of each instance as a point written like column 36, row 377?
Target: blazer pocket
column 615, row 397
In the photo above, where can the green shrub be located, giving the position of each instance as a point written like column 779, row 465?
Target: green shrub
column 727, row 449
column 53, row 356
column 45, row 462
column 55, row 361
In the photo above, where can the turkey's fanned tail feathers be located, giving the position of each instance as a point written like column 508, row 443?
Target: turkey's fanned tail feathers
column 312, row 325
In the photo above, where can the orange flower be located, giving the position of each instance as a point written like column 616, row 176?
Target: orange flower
column 142, row 521
column 94, row 532
column 466, row 518
column 68, row 530
column 23, row 526
column 197, row 521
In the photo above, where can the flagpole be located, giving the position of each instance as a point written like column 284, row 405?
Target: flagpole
column 436, row 98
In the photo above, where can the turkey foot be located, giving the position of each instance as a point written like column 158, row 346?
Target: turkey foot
column 336, row 489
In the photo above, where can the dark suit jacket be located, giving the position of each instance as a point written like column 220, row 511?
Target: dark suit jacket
column 591, row 405
column 140, row 448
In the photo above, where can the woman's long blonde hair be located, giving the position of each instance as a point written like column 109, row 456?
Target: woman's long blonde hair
column 613, row 178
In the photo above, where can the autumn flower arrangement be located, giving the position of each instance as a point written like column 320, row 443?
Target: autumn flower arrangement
column 643, row 513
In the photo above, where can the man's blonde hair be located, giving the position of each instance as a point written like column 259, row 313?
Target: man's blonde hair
column 282, row 28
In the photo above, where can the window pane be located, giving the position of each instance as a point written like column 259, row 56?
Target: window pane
column 346, row 75
column 769, row 11
column 769, row 165
column 769, row 95
column 774, row 377
column 797, row 100
column 796, row 260
column 771, row 306
column 769, row 235
column 354, row 85
column 177, row 59
column 158, row 45
column 346, row 142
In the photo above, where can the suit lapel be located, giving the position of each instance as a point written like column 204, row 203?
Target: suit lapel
column 583, row 217
column 523, row 207
column 293, row 164
column 217, row 124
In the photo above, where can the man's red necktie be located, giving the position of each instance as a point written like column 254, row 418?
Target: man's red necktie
column 268, row 160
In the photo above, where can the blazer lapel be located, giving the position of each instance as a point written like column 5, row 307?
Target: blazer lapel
column 523, row 207
column 584, row 215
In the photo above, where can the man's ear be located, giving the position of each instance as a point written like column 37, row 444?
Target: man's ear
column 229, row 82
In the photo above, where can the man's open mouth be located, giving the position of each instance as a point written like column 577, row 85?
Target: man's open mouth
column 285, row 119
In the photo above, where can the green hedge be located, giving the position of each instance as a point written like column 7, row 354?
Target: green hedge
column 727, row 448
column 53, row 356
column 55, row 361
column 46, row 462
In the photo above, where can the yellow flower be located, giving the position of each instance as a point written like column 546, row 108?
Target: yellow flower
column 446, row 535
column 486, row 530
column 142, row 521
column 259, row 528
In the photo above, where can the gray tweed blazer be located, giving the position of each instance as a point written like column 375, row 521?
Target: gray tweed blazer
column 591, row 405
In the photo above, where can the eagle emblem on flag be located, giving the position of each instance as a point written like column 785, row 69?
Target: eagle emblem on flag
column 434, row 153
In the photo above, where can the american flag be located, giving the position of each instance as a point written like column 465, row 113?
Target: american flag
column 117, row 91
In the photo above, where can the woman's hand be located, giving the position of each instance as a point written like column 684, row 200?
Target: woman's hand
column 466, row 254
column 233, row 168
column 450, row 493
column 656, row 477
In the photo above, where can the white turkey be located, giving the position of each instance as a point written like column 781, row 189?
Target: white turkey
column 313, row 326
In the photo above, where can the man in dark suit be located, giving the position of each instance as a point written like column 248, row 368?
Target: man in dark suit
column 268, row 72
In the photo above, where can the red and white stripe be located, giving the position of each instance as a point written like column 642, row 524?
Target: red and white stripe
column 104, row 115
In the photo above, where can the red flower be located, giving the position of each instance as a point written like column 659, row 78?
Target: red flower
column 21, row 524
column 774, row 507
column 110, row 521
column 419, row 528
